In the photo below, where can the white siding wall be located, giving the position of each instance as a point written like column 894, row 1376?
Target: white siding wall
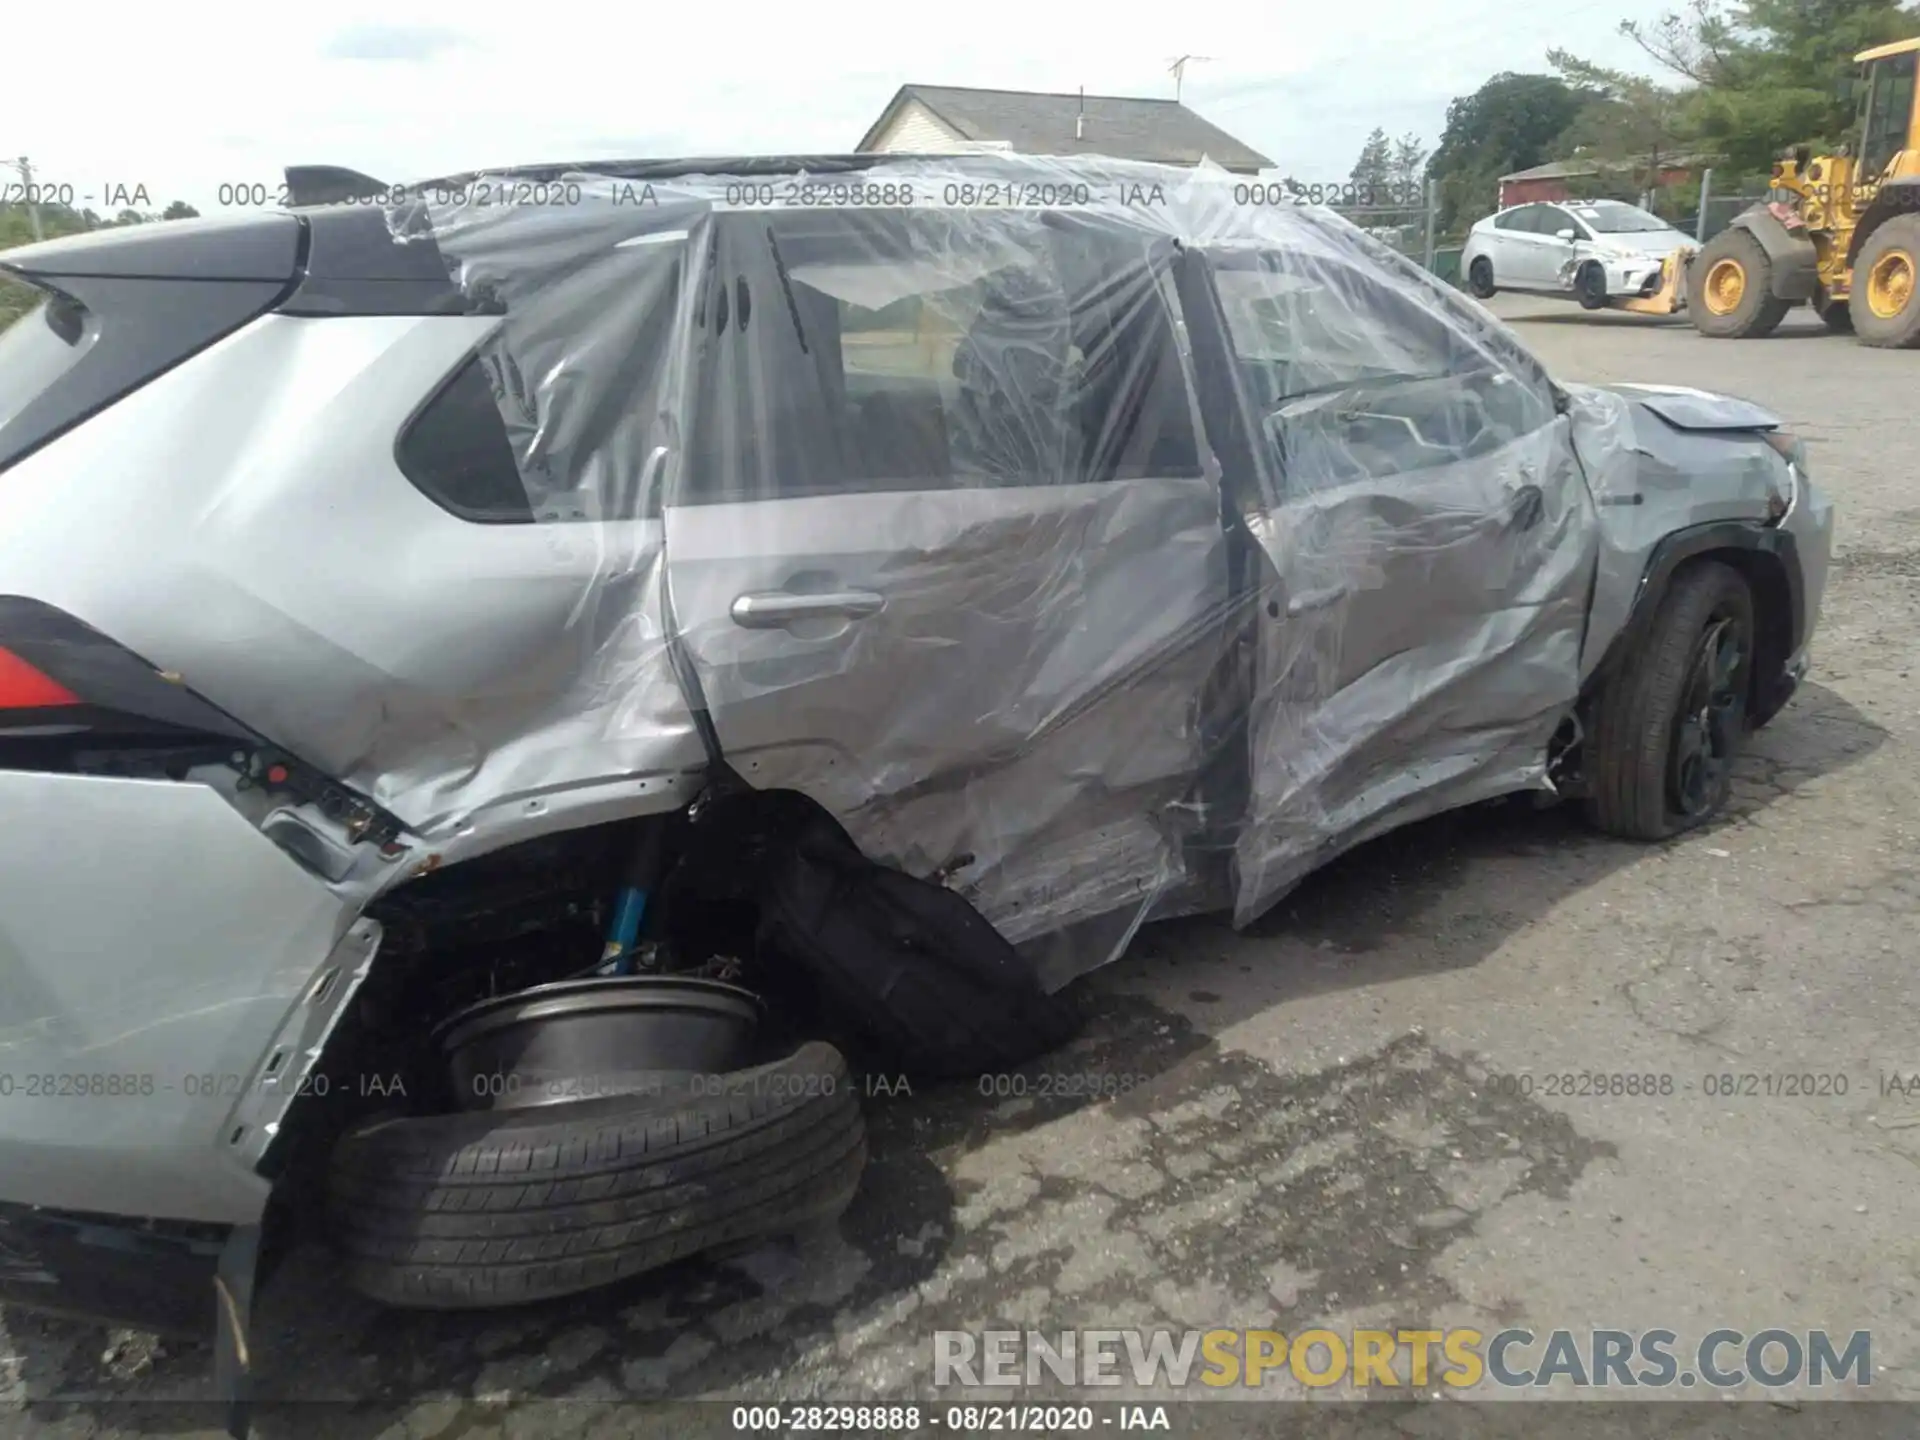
column 917, row 129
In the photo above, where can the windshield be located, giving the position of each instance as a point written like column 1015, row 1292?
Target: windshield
column 38, row 349
column 1613, row 217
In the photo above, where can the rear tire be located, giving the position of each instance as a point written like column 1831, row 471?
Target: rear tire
column 1695, row 661
column 504, row 1207
column 1729, row 289
column 1480, row 278
column 1885, row 301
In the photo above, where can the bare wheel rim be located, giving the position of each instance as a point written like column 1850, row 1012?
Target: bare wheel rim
column 1726, row 286
column 1890, row 284
column 1712, row 714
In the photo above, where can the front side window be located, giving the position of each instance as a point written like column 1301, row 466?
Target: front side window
column 1356, row 380
column 1616, row 217
column 1889, row 112
column 1553, row 220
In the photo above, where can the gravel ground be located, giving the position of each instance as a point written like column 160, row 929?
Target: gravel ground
column 1317, row 1135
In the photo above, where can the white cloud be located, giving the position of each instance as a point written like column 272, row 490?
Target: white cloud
column 184, row 99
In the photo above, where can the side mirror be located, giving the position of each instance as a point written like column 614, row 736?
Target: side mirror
column 1566, row 234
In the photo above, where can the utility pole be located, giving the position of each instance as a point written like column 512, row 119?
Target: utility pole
column 1179, row 70
column 26, row 189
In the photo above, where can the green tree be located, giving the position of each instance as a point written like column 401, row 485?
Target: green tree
column 1510, row 123
column 1374, row 169
column 1766, row 75
column 179, row 210
column 1409, row 163
column 1633, row 128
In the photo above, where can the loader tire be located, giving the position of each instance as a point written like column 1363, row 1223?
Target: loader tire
column 504, row 1207
column 1644, row 722
column 1885, row 303
column 1730, row 289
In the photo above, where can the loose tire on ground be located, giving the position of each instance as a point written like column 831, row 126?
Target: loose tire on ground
column 1885, row 301
column 1729, row 288
column 1638, row 721
column 480, row 1209
column 1480, row 278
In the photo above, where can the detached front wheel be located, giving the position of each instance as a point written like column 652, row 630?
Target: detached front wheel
column 489, row 1208
column 1672, row 719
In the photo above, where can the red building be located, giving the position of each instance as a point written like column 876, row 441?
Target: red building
column 1553, row 182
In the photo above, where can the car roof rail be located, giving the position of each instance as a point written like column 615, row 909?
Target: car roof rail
column 330, row 185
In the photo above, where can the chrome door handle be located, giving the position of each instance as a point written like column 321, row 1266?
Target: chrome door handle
column 771, row 609
column 1317, row 600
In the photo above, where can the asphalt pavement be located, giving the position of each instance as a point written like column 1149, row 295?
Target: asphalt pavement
column 1348, row 1115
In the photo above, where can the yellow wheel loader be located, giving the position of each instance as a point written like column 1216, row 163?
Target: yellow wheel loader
column 1838, row 232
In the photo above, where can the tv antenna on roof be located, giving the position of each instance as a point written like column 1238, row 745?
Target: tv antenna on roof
column 1179, row 70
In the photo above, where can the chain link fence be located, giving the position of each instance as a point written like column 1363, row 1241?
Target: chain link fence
column 1715, row 210
column 1402, row 215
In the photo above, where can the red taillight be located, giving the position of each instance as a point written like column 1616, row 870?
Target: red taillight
column 24, row 688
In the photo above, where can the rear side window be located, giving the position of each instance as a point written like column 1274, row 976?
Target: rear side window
column 36, row 350
column 457, row 452
column 557, row 417
column 93, row 339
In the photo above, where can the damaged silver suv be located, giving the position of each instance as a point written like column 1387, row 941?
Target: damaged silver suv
column 505, row 681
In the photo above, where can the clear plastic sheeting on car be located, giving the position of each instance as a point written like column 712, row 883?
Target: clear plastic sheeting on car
column 1109, row 541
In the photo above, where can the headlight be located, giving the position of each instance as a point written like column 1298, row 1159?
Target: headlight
column 1791, row 449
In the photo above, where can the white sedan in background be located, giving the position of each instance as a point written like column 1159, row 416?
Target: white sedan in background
column 1595, row 250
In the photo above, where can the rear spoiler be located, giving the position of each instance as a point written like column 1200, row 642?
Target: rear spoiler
column 330, row 185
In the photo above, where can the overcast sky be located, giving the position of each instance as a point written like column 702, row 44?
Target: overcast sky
column 183, row 97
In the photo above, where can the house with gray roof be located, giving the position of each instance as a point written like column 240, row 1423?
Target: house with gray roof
column 937, row 119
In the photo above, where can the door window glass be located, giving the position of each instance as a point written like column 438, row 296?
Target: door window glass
column 1354, row 380
column 934, row 351
column 1889, row 109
